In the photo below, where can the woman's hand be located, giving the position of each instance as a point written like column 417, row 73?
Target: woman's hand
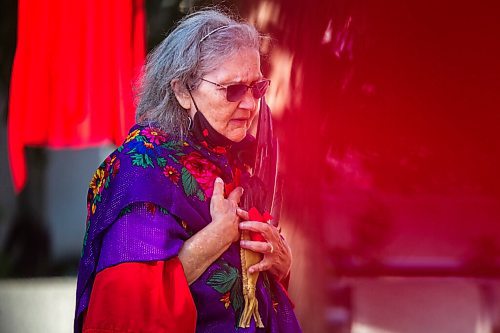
column 223, row 211
column 277, row 254
column 208, row 244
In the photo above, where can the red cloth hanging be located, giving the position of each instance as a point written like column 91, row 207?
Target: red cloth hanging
column 72, row 77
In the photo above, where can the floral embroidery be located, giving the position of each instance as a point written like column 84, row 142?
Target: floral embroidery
column 219, row 150
column 184, row 224
column 171, row 173
column 150, row 207
column 150, row 148
column 275, row 306
column 100, row 180
column 124, row 211
column 202, row 170
column 155, row 136
column 227, row 281
column 132, row 135
column 225, row 299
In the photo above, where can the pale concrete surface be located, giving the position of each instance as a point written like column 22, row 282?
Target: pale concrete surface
column 425, row 305
column 409, row 305
column 37, row 305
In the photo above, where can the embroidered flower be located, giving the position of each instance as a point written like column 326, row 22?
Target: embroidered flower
column 226, row 299
column 115, row 167
column 205, row 132
column 171, row 173
column 275, row 306
column 112, row 165
column 150, row 207
column 155, row 136
column 148, row 145
column 202, row 170
column 219, row 150
column 98, row 181
column 132, row 135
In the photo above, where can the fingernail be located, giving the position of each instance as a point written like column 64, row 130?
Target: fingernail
column 218, row 180
column 250, row 270
column 243, row 243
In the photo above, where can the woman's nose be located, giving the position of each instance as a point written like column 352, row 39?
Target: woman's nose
column 248, row 101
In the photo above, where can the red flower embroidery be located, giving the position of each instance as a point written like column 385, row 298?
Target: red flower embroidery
column 205, row 132
column 171, row 173
column 219, row 150
column 225, row 299
column 202, row 170
column 150, row 207
column 155, row 136
column 112, row 165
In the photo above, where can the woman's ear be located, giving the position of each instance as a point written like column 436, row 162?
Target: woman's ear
column 181, row 94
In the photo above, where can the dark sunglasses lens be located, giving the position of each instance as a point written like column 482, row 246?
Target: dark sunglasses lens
column 235, row 92
column 259, row 89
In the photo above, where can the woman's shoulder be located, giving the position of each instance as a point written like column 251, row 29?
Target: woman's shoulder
column 152, row 160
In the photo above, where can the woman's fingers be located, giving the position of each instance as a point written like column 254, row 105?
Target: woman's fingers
column 218, row 187
column 242, row 214
column 235, row 194
column 264, row 265
column 256, row 246
column 264, row 228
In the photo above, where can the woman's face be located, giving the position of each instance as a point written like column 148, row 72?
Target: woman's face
column 231, row 119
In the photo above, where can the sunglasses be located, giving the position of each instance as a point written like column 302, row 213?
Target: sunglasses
column 235, row 92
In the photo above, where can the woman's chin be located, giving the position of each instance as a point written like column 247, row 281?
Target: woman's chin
column 237, row 135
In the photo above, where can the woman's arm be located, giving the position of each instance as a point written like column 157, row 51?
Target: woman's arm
column 207, row 245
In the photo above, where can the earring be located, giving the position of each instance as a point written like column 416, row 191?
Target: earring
column 190, row 126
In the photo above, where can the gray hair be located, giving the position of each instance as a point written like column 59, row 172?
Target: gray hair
column 183, row 55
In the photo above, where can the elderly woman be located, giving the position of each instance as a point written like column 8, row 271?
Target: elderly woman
column 162, row 245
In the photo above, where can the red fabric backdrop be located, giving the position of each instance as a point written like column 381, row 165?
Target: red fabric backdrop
column 73, row 72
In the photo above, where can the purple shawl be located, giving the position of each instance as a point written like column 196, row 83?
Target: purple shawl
column 176, row 176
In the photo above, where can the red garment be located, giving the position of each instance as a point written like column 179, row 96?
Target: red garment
column 141, row 297
column 72, row 75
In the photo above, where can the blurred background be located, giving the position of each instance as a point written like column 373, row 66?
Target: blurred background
column 388, row 118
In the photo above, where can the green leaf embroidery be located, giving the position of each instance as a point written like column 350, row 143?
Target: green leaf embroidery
column 119, row 149
column 223, row 280
column 173, row 159
column 174, row 145
column 161, row 162
column 142, row 160
column 149, row 161
column 141, row 138
column 124, row 211
column 237, row 295
column 201, row 195
column 189, row 182
column 164, row 211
